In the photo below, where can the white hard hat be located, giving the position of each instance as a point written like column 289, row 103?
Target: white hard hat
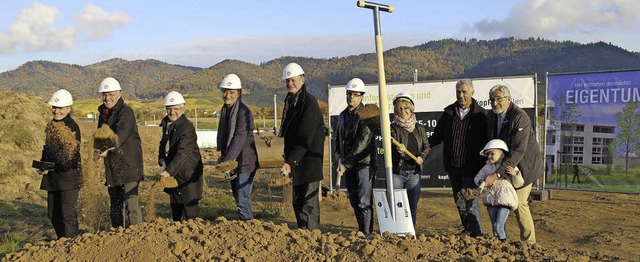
column 402, row 96
column 173, row 98
column 494, row 144
column 355, row 85
column 291, row 70
column 109, row 84
column 61, row 98
column 231, row 81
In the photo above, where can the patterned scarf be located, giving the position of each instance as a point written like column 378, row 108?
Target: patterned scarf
column 409, row 125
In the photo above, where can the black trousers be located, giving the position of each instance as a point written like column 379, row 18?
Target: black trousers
column 180, row 211
column 306, row 205
column 125, row 205
column 63, row 212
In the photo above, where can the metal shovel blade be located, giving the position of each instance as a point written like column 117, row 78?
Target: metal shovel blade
column 403, row 224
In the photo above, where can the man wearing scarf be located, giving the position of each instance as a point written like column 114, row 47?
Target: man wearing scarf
column 462, row 128
column 303, row 131
column 236, row 143
column 412, row 138
column 123, row 163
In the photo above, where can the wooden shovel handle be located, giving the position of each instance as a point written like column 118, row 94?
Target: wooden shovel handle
column 395, row 142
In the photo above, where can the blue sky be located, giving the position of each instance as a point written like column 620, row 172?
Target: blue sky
column 203, row 33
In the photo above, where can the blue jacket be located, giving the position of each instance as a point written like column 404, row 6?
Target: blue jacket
column 242, row 147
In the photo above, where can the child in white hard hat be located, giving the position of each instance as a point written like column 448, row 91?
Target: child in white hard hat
column 500, row 197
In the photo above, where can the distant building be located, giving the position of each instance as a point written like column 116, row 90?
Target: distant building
column 580, row 143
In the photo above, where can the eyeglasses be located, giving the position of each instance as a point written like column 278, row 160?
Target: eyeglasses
column 355, row 94
column 498, row 99
column 175, row 109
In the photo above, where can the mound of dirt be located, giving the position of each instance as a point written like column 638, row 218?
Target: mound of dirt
column 223, row 240
column 22, row 123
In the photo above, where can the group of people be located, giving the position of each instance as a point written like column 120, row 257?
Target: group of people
column 179, row 156
column 468, row 133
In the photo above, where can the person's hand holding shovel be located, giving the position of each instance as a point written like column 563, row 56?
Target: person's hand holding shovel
column 403, row 149
column 341, row 169
column 285, row 171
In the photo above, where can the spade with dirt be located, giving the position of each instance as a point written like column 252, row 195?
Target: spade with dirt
column 370, row 114
column 226, row 168
column 104, row 138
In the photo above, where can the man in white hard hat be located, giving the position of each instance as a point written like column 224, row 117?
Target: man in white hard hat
column 510, row 123
column 356, row 153
column 63, row 182
column 236, row 143
column 303, row 131
column 461, row 130
column 123, row 164
column 179, row 156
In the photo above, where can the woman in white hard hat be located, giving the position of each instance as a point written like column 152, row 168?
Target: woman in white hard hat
column 179, row 156
column 413, row 138
column 63, row 182
column 499, row 197
column 303, row 131
column 236, row 143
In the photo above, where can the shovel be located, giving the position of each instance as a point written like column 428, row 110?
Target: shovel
column 168, row 182
column 370, row 114
column 226, row 168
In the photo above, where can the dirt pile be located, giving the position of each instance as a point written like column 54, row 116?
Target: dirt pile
column 22, row 123
column 223, row 240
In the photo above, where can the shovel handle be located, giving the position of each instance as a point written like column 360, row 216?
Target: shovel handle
column 371, row 5
column 395, row 142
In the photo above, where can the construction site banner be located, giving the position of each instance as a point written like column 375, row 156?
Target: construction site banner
column 592, row 131
column 430, row 100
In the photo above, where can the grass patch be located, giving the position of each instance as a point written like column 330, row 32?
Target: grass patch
column 21, row 223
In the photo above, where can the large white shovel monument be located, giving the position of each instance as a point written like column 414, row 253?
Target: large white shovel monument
column 392, row 206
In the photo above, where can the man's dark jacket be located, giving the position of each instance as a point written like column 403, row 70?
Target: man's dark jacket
column 183, row 159
column 67, row 173
column 304, row 132
column 124, row 164
column 355, row 143
column 524, row 151
column 475, row 137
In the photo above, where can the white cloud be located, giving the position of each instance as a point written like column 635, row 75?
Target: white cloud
column 551, row 18
column 98, row 23
column 35, row 29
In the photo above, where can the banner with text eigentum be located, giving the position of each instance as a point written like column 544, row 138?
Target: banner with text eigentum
column 430, row 100
column 593, row 131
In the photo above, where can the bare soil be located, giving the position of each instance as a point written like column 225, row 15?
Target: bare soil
column 572, row 226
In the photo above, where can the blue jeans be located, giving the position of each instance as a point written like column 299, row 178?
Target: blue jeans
column 360, row 189
column 241, row 188
column 469, row 210
column 498, row 216
column 409, row 180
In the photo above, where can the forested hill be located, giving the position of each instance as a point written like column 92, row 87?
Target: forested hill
column 442, row 59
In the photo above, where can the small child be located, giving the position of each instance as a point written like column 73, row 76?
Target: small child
column 501, row 196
